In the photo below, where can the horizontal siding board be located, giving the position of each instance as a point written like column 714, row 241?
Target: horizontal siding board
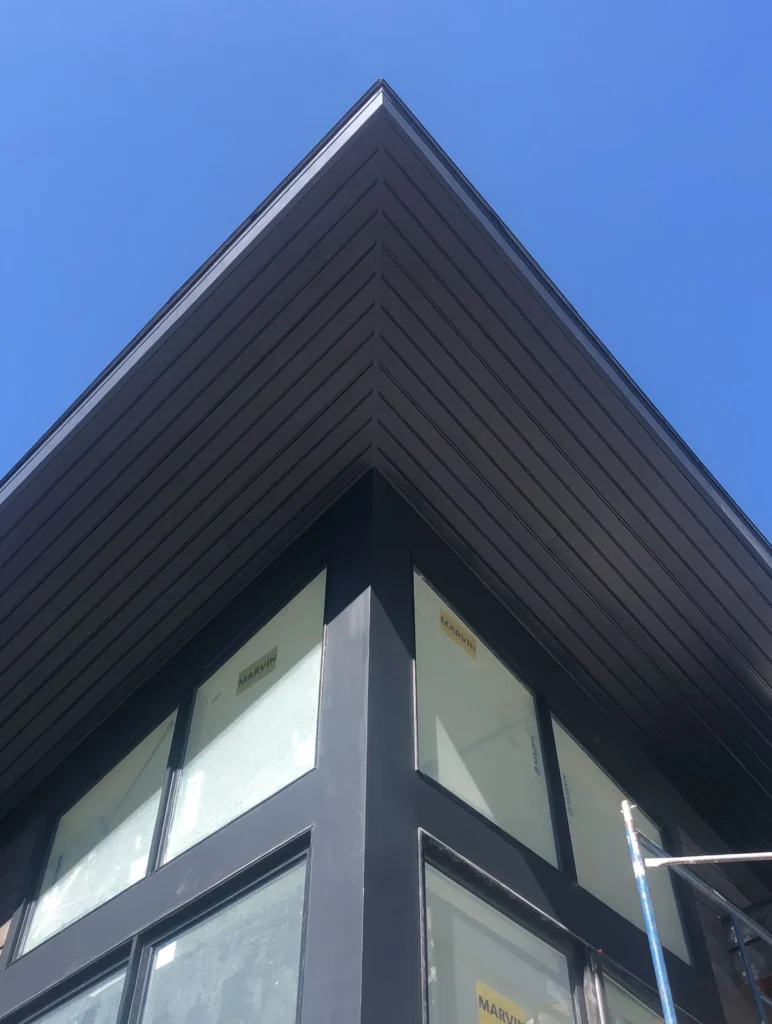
column 697, row 741
column 123, row 623
column 210, row 512
column 425, row 458
column 549, row 464
column 127, row 655
column 202, row 375
column 426, row 230
column 272, row 256
column 720, row 660
column 485, row 455
column 508, row 282
column 116, row 602
column 695, row 641
column 182, row 622
column 376, row 323
column 560, row 612
column 433, row 503
column 511, row 302
column 241, row 422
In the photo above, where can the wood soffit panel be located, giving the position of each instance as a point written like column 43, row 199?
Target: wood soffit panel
column 375, row 314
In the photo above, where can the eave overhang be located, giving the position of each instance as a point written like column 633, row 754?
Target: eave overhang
column 374, row 313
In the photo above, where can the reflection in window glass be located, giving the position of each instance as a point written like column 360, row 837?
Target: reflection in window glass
column 102, row 844
column 625, row 1009
column 254, row 722
column 484, row 968
column 242, row 964
column 97, row 1005
column 477, row 729
column 594, row 805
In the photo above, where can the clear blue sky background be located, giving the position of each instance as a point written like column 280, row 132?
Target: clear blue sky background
column 629, row 146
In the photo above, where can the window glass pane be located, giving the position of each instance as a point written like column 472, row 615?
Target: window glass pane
column 102, row 844
column 484, row 968
column 477, row 729
column 594, row 805
column 625, row 1009
column 254, row 722
column 241, row 964
column 97, row 1005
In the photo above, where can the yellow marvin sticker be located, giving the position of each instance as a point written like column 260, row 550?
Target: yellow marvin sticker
column 252, row 673
column 491, row 1005
column 458, row 632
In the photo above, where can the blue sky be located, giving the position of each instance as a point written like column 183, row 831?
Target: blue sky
column 628, row 146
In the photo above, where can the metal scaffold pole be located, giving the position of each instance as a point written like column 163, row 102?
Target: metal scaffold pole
column 657, row 956
column 739, row 919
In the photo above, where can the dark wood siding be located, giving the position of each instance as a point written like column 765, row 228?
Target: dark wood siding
column 230, row 439
column 386, row 319
column 504, row 435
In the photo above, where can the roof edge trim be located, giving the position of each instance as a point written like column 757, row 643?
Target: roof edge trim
column 195, row 287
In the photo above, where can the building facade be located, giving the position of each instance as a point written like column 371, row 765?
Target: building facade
column 340, row 614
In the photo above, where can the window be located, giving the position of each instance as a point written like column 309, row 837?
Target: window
column 485, row 968
column 240, row 964
column 625, row 1009
column 477, row 730
column 254, row 722
column 593, row 802
column 253, row 731
column 102, row 843
column 97, row 1005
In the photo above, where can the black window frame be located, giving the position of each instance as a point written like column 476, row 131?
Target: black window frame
column 49, row 828
column 262, row 839
column 172, row 771
column 242, row 885
column 668, row 838
column 555, row 803
column 490, row 891
column 362, row 811
column 136, row 957
column 75, row 986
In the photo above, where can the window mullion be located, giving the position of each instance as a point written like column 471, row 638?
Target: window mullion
column 171, row 778
column 126, row 1009
column 593, row 989
column 555, row 792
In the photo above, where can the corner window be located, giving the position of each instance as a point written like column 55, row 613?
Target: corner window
column 477, row 729
column 484, row 968
column 603, row 867
column 102, row 844
column 240, row 964
column 97, row 1005
column 254, row 723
